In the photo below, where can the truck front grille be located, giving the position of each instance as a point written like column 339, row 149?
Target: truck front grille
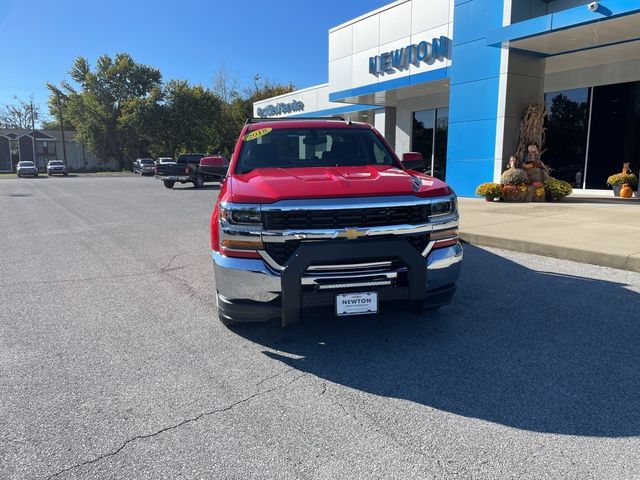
column 344, row 218
column 281, row 252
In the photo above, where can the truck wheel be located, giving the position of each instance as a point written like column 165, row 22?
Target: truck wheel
column 198, row 182
column 168, row 183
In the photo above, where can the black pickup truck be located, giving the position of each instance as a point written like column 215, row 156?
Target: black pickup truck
column 193, row 168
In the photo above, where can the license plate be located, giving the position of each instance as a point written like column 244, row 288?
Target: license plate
column 361, row 303
column 170, row 177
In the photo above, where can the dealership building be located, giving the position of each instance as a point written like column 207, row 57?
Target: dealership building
column 452, row 78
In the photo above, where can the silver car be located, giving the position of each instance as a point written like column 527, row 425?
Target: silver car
column 25, row 169
column 144, row 166
column 57, row 166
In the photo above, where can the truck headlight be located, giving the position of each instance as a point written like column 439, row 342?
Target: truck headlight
column 240, row 227
column 444, row 207
column 241, row 214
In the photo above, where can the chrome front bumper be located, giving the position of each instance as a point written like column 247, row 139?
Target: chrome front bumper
column 253, row 280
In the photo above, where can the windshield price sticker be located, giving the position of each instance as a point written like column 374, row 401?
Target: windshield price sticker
column 256, row 134
column 360, row 303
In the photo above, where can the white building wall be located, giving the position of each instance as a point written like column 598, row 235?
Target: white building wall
column 602, row 66
column 404, row 117
column 315, row 99
column 392, row 27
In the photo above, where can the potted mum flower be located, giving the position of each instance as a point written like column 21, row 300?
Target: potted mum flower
column 490, row 191
column 616, row 181
column 514, row 185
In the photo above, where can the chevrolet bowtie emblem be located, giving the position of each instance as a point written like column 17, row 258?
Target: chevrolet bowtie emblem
column 353, row 233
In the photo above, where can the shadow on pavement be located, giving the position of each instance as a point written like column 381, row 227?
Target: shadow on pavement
column 531, row 350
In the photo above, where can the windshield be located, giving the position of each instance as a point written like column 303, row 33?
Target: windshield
column 26, row 164
column 55, row 162
column 146, row 161
column 311, row 147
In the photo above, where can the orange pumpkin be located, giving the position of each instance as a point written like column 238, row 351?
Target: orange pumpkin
column 626, row 191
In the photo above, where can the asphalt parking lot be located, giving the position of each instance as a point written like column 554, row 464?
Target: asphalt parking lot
column 114, row 365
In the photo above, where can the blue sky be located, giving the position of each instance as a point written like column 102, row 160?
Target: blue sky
column 285, row 40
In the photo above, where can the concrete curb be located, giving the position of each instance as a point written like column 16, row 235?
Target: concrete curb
column 621, row 262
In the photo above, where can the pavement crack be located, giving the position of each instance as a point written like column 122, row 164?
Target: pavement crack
column 179, row 424
column 171, row 260
column 276, row 375
column 164, row 269
column 84, row 279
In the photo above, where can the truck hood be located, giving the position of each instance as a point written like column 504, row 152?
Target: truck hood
column 268, row 185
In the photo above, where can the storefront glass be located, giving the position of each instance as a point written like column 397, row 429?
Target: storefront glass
column 440, row 146
column 429, row 137
column 422, row 135
column 615, row 132
column 604, row 118
column 566, row 139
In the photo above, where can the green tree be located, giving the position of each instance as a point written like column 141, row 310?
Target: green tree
column 175, row 119
column 238, row 106
column 19, row 114
column 97, row 108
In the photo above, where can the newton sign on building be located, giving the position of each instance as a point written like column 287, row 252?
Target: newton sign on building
column 401, row 58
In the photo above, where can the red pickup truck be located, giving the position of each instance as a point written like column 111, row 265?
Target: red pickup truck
column 320, row 214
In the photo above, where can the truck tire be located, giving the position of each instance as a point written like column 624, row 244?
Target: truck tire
column 168, row 183
column 198, row 182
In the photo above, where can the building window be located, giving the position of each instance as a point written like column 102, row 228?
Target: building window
column 429, row 137
column 614, row 136
column 566, row 139
column 440, row 145
column 591, row 132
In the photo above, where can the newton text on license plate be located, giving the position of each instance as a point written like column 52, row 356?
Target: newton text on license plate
column 356, row 303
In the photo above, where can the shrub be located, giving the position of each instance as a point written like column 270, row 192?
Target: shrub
column 620, row 179
column 514, row 176
column 557, row 189
column 489, row 190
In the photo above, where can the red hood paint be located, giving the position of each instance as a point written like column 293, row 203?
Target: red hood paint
column 268, row 185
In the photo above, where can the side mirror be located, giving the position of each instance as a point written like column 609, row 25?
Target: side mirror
column 413, row 160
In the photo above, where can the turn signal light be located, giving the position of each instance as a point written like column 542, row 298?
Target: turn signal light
column 444, row 238
column 243, row 244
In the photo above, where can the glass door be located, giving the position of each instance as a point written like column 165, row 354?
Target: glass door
column 567, row 125
column 422, row 138
column 429, row 137
column 440, row 144
column 614, row 136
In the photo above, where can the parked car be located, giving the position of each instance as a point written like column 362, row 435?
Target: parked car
column 57, row 166
column 193, row 168
column 322, row 214
column 144, row 166
column 26, row 169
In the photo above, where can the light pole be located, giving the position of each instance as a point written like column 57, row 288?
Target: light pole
column 33, row 135
column 58, row 93
column 64, row 144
